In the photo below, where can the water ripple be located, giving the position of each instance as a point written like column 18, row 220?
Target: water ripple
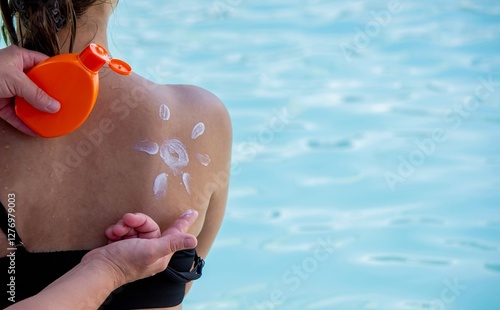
column 492, row 267
column 473, row 244
column 406, row 260
column 417, row 221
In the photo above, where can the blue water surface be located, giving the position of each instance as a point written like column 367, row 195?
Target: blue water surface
column 366, row 160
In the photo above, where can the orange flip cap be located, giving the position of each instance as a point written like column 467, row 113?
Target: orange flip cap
column 73, row 80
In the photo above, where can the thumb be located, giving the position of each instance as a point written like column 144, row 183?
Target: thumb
column 177, row 242
column 35, row 96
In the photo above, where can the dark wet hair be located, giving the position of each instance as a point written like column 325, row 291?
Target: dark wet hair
column 41, row 20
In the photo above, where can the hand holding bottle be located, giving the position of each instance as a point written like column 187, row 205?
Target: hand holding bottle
column 72, row 79
column 15, row 62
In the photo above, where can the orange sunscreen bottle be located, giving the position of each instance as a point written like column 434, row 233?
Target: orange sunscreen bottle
column 73, row 80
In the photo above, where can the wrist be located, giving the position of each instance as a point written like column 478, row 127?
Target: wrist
column 97, row 261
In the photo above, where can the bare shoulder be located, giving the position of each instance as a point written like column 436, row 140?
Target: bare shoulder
column 191, row 96
column 201, row 104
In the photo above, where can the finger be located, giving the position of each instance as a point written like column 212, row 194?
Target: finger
column 120, row 229
column 110, row 235
column 169, row 244
column 8, row 114
column 140, row 220
column 142, row 224
column 117, row 232
column 31, row 58
column 182, row 224
column 132, row 233
column 34, row 95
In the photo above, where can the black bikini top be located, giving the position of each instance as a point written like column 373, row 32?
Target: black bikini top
column 32, row 272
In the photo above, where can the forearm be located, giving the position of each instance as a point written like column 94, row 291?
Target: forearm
column 86, row 286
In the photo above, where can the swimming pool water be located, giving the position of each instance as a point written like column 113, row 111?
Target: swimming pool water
column 366, row 154
column 366, row 165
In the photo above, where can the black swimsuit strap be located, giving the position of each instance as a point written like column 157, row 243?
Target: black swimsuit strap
column 4, row 224
column 187, row 276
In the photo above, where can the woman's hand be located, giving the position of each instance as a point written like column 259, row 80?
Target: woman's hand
column 15, row 61
column 141, row 251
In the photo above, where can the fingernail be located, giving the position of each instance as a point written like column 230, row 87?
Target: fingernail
column 53, row 106
column 189, row 243
column 187, row 212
